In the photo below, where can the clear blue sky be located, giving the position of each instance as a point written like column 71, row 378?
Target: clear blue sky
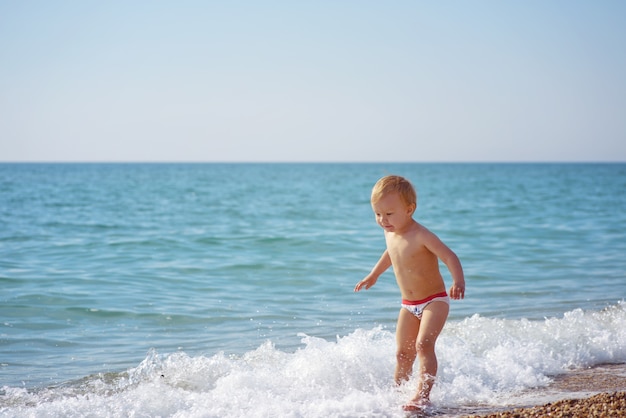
column 337, row 80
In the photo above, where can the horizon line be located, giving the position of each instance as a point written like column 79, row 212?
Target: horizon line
column 310, row 162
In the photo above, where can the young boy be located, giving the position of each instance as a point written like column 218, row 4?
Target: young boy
column 413, row 251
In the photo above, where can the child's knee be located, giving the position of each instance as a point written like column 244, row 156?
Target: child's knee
column 424, row 347
column 405, row 355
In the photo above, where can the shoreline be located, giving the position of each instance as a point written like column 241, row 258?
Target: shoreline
column 604, row 404
column 596, row 391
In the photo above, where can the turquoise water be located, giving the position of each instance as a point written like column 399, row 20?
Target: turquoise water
column 232, row 280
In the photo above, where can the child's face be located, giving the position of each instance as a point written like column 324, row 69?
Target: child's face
column 392, row 214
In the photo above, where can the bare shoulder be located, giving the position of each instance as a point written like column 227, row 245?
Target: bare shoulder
column 426, row 236
column 423, row 232
column 434, row 244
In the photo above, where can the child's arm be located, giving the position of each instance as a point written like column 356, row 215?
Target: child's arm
column 450, row 259
column 383, row 264
column 457, row 290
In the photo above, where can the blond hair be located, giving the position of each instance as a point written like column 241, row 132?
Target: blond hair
column 397, row 184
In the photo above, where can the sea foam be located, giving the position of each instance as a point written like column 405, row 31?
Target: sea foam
column 482, row 362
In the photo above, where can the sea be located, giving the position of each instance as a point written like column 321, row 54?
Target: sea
column 226, row 290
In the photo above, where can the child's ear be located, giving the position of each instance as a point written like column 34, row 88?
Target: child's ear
column 411, row 208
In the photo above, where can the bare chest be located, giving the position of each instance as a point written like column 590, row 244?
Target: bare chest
column 409, row 253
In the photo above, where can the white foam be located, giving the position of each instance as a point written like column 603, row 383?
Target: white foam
column 488, row 360
column 482, row 361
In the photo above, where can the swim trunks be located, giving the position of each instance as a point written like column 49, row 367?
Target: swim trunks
column 416, row 307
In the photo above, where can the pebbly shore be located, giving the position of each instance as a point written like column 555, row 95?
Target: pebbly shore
column 603, row 405
column 595, row 392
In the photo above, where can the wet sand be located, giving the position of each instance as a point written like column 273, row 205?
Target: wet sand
column 594, row 392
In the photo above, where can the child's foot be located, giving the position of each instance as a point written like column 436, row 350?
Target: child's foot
column 417, row 405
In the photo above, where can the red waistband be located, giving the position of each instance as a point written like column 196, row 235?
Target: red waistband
column 428, row 299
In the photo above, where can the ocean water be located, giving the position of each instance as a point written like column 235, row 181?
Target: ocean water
column 226, row 290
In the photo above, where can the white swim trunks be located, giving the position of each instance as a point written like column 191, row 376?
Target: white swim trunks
column 416, row 307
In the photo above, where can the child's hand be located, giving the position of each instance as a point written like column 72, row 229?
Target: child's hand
column 457, row 291
column 368, row 282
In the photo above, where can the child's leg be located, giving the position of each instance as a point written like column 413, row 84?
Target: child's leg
column 433, row 319
column 406, row 334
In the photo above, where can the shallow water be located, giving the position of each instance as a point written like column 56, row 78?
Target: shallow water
column 234, row 281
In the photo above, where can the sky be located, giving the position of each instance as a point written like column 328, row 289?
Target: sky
column 318, row 81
